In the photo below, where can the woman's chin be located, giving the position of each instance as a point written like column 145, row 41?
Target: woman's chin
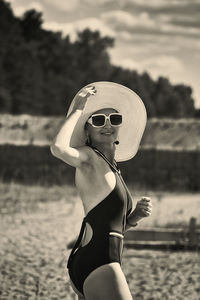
column 108, row 138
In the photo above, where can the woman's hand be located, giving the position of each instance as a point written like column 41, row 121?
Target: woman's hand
column 81, row 98
column 143, row 207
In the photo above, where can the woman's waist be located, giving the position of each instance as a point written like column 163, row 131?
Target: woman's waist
column 100, row 235
column 103, row 226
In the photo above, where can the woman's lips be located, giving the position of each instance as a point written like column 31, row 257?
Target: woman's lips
column 107, row 132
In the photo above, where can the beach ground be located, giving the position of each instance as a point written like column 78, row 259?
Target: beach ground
column 36, row 226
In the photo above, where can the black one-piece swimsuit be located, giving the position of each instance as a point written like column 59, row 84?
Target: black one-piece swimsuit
column 107, row 220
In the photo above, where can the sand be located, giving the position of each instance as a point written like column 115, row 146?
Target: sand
column 33, row 254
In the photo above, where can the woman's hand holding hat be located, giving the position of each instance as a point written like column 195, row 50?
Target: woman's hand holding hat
column 82, row 96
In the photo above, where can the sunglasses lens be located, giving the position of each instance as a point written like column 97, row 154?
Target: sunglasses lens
column 98, row 120
column 116, row 119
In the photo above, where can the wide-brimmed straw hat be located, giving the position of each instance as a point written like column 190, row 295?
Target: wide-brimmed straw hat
column 126, row 102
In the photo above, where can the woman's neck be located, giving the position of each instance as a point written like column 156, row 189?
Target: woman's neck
column 107, row 149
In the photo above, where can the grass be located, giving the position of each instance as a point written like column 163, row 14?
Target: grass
column 37, row 223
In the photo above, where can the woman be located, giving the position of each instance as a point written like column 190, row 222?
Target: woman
column 105, row 123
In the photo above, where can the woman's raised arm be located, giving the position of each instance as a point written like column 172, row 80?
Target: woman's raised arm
column 61, row 145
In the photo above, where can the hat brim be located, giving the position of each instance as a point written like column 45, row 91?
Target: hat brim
column 126, row 102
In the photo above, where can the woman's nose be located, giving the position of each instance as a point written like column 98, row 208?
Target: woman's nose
column 107, row 125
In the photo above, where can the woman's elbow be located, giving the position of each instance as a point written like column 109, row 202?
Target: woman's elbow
column 66, row 156
column 54, row 150
column 59, row 152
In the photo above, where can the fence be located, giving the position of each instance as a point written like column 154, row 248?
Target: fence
column 165, row 238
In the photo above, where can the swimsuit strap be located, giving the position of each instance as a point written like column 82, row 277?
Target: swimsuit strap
column 114, row 167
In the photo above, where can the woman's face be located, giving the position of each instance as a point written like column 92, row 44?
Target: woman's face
column 105, row 134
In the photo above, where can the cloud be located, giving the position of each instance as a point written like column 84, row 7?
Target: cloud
column 125, row 35
column 164, row 62
column 128, row 63
column 64, row 5
column 183, row 20
column 163, row 65
column 71, row 29
column 11, row 1
column 121, row 19
column 127, row 24
column 143, row 3
column 156, row 65
column 97, row 2
column 145, row 39
column 154, row 3
column 162, row 3
column 177, row 30
column 19, row 10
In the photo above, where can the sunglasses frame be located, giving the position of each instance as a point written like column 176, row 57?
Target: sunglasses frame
column 105, row 119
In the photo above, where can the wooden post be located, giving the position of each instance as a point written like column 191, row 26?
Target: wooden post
column 192, row 233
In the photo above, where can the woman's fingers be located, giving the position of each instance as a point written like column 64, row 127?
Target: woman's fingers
column 146, row 212
column 144, row 205
column 90, row 90
column 144, row 202
column 145, row 208
column 147, row 199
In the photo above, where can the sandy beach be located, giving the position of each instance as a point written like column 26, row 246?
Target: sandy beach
column 36, row 226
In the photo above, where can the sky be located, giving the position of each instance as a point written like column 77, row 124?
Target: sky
column 161, row 37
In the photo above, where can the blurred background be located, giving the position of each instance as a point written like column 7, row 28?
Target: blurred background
column 49, row 50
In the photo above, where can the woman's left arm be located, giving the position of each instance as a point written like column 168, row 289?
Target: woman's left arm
column 142, row 210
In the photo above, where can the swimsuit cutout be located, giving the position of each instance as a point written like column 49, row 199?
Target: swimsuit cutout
column 107, row 221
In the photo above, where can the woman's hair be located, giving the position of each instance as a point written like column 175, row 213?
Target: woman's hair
column 88, row 142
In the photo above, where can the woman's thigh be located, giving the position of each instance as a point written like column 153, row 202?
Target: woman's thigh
column 107, row 282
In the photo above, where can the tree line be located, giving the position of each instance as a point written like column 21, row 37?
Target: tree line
column 41, row 71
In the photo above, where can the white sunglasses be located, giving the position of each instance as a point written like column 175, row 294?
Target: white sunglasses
column 99, row 120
